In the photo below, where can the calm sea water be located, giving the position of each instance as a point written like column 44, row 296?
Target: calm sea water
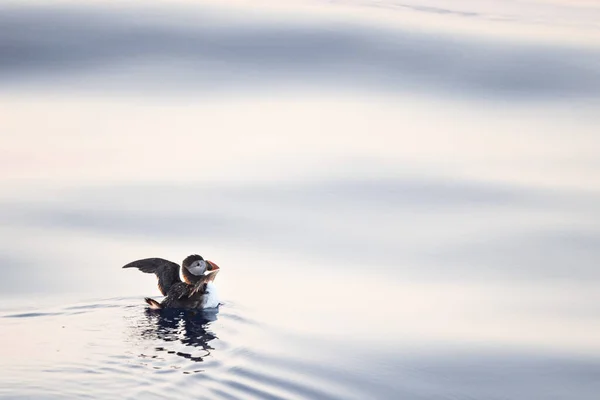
column 404, row 198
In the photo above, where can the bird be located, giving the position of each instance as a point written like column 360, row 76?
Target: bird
column 196, row 291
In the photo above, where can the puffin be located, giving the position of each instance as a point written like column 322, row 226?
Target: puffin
column 196, row 291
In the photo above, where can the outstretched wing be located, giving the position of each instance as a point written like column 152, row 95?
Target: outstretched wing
column 166, row 271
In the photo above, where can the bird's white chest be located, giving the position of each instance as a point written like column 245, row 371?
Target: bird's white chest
column 211, row 297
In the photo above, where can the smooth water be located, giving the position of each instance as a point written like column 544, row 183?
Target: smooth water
column 403, row 198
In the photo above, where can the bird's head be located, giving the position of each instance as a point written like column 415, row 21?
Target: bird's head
column 198, row 266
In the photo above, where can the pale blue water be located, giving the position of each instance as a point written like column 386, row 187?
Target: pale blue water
column 403, row 198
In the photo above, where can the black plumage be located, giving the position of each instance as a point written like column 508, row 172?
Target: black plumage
column 188, row 293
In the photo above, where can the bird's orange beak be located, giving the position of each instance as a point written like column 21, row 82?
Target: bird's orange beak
column 213, row 270
column 212, row 266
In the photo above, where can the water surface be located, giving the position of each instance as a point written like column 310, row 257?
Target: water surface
column 402, row 196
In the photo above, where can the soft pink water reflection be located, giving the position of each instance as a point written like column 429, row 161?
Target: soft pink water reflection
column 356, row 227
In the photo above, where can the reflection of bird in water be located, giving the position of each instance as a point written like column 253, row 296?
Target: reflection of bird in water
column 196, row 291
column 189, row 327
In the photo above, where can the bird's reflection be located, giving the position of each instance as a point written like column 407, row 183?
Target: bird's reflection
column 172, row 328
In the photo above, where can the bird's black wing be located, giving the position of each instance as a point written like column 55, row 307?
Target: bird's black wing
column 166, row 271
column 181, row 295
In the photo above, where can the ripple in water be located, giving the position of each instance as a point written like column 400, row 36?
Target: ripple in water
column 116, row 350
